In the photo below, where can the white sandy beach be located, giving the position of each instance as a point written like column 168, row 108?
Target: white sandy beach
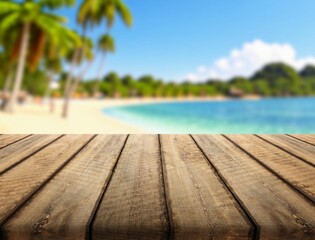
column 85, row 117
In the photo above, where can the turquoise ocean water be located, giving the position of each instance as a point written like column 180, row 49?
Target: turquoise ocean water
column 274, row 115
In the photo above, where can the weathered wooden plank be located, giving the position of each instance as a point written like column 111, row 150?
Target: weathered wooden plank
column 298, row 148
column 134, row 206
column 20, row 183
column 6, row 140
column 201, row 207
column 306, row 138
column 64, row 206
column 278, row 211
column 295, row 172
column 19, row 151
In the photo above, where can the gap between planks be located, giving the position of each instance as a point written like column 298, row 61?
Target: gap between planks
column 89, row 227
column 251, row 219
column 162, row 162
column 294, row 153
column 14, row 141
column 293, row 184
column 34, row 191
column 28, row 155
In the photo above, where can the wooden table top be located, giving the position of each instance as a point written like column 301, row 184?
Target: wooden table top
column 157, row 186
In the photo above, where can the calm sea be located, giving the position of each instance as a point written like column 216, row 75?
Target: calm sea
column 281, row 115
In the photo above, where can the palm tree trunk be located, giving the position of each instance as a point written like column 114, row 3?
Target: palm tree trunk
column 50, row 78
column 73, row 88
column 6, row 89
column 69, row 87
column 67, row 95
column 99, row 74
column 80, row 77
column 74, row 62
column 47, row 94
column 8, row 82
column 20, row 68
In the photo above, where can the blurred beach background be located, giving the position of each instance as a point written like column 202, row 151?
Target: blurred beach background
column 126, row 66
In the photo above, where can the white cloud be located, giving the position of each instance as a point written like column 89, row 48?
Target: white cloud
column 248, row 59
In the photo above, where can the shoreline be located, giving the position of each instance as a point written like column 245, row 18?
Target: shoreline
column 85, row 116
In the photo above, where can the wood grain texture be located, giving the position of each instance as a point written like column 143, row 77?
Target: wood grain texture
column 157, row 187
column 278, row 211
column 298, row 148
column 6, row 140
column 20, row 182
column 133, row 206
column 295, row 172
column 201, row 207
column 20, row 150
column 63, row 208
column 306, row 138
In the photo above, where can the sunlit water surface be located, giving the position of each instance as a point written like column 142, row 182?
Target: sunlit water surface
column 285, row 115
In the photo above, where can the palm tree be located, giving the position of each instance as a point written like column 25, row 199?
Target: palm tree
column 105, row 44
column 79, row 54
column 57, row 50
column 87, row 55
column 92, row 12
column 73, row 43
column 29, row 17
column 53, row 64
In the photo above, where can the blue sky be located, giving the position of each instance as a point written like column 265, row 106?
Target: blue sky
column 174, row 39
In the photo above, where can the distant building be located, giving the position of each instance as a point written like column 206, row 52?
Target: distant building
column 236, row 92
column 54, row 85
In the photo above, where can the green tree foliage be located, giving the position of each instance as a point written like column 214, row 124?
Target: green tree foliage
column 26, row 26
column 273, row 80
column 261, row 87
column 242, row 84
column 1, row 81
column 308, row 72
column 92, row 12
column 274, row 71
column 220, row 87
column 35, row 83
column 131, row 85
column 281, row 78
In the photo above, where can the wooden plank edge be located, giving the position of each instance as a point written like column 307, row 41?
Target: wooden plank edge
column 30, row 155
column 299, row 139
column 15, row 141
column 255, row 228
column 89, row 225
column 283, row 149
column 170, row 232
column 300, row 191
column 38, row 188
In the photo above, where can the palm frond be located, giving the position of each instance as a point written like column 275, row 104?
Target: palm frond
column 106, row 43
column 94, row 11
column 9, row 21
column 53, row 4
column 124, row 13
column 88, row 11
column 110, row 12
column 8, row 6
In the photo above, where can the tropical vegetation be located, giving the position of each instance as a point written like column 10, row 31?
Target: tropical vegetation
column 274, row 80
column 36, row 44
